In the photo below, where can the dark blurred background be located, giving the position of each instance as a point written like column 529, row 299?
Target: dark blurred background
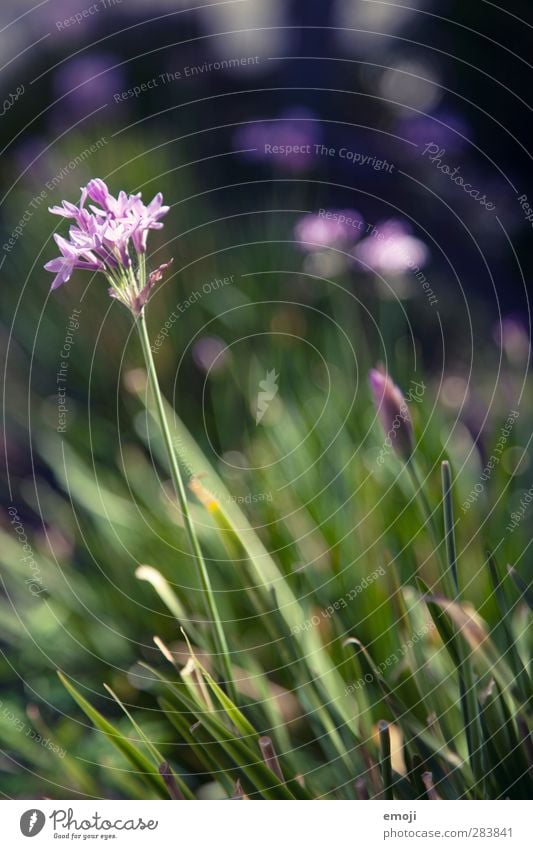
column 382, row 79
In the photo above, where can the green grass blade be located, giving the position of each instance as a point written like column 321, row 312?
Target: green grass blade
column 136, row 758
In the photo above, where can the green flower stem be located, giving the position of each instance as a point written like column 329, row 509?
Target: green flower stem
column 449, row 524
column 466, row 674
column 385, row 760
column 450, row 586
column 220, row 637
column 430, row 523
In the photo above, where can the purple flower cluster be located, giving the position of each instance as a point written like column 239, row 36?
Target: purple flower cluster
column 110, row 236
column 391, row 249
column 336, row 228
column 288, row 141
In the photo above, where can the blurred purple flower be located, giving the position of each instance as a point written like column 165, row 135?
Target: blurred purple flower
column 391, row 249
column 287, row 140
column 62, row 11
column 85, row 83
column 447, row 129
column 335, row 228
column 210, row 353
column 33, row 160
column 511, row 335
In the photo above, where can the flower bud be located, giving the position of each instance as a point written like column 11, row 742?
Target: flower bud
column 393, row 413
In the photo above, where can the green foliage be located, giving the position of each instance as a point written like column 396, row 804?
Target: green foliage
column 360, row 670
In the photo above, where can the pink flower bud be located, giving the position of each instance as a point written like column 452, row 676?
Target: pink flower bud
column 393, row 413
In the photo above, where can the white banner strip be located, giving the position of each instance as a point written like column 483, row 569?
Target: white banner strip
column 255, row 824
